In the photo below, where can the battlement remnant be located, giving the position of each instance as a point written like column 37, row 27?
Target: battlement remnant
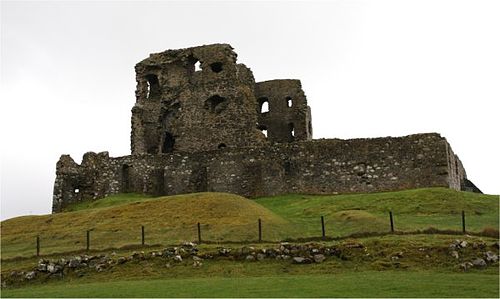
column 201, row 123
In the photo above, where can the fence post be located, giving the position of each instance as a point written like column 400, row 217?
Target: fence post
column 323, row 235
column 199, row 233
column 37, row 245
column 392, row 221
column 260, row 230
column 463, row 221
column 142, row 234
column 88, row 240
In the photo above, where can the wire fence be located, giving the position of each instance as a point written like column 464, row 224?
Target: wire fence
column 105, row 238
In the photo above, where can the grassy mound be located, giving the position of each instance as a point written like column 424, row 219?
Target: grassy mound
column 112, row 200
column 358, row 221
column 415, row 209
column 167, row 220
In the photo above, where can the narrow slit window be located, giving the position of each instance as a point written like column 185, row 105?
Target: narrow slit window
column 291, row 130
column 153, row 86
column 265, row 107
column 263, row 129
column 168, row 143
column 126, row 181
column 289, row 102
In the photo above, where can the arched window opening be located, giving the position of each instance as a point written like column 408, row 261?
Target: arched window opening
column 153, row 86
column 222, row 145
column 216, row 67
column 289, row 102
column 193, row 64
column 168, row 143
column 263, row 105
column 197, row 66
column 291, row 130
column 215, row 104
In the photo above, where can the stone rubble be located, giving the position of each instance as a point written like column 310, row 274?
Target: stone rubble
column 297, row 254
column 466, row 266
column 319, row 258
column 197, row 259
column 479, row 263
column 30, row 275
column 491, row 257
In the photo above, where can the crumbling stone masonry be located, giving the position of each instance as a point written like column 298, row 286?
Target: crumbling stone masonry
column 216, row 129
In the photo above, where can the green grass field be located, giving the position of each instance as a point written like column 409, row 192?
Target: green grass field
column 116, row 221
column 350, row 284
column 426, row 269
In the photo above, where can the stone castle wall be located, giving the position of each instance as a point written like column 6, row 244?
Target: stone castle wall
column 325, row 166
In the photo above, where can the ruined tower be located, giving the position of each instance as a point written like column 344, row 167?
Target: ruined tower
column 182, row 108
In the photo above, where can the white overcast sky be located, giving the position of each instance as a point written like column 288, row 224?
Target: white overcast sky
column 368, row 68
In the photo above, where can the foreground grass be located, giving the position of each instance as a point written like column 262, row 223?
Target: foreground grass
column 425, row 269
column 362, row 284
column 116, row 221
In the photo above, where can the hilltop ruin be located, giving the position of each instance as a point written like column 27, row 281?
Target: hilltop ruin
column 216, row 129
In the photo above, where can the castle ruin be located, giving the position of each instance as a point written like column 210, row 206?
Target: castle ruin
column 216, row 129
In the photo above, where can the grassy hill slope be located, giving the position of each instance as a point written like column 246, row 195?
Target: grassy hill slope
column 116, row 221
column 415, row 209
